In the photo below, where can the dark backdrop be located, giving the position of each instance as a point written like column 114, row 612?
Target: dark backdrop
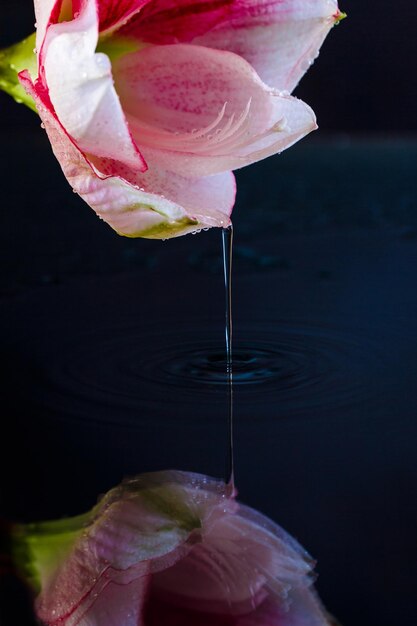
column 364, row 80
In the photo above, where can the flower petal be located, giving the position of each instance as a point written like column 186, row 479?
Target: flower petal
column 139, row 528
column 198, row 111
column 240, row 559
column 172, row 21
column 46, row 12
column 114, row 13
column 170, row 548
column 81, row 90
column 117, row 605
column 159, row 206
column 279, row 38
column 303, row 608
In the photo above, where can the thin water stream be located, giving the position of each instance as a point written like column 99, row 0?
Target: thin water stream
column 227, row 243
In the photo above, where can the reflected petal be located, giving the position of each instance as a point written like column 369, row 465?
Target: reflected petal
column 170, row 549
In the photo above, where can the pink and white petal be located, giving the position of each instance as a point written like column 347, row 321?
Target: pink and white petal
column 46, row 13
column 136, row 529
column 81, row 89
column 114, row 14
column 302, row 608
column 279, row 38
column 117, row 605
column 162, row 205
column 141, row 527
column 294, row 121
column 181, row 88
column 238, row 564
column 198, row 111
column 173, row 21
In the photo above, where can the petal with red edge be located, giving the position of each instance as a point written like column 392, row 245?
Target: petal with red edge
column 114, row 13
column 81, row 89
column 279, row 38
column 198, row 111
column 139, row 528
column 116, row 605
column 159, row 206
column 46, row 13
column 176, row 549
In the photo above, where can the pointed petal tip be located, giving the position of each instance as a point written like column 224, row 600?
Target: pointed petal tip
column 339, row 16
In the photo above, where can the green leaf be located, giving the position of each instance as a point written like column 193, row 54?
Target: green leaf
column 19, row 57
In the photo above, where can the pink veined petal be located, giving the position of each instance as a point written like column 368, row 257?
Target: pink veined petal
column 81, row 89
column 198, row 111
column 139, row 528
column 173, row 21
column 114, row 13
column 247, row 571
column 119, row 604
column 302, row 608
column 279, row 38
column 160, row 205
column 235, row 568
column 176, row 549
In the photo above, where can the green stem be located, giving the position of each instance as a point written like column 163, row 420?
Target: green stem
column 19, row 57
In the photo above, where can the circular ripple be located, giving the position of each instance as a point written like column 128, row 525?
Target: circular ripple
column 251, row 365
column 135, row 372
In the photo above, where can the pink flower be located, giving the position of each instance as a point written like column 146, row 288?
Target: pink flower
column 149, row 104
column 169, row 549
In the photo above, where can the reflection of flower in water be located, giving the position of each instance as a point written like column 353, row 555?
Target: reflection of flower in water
column 168, row 549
